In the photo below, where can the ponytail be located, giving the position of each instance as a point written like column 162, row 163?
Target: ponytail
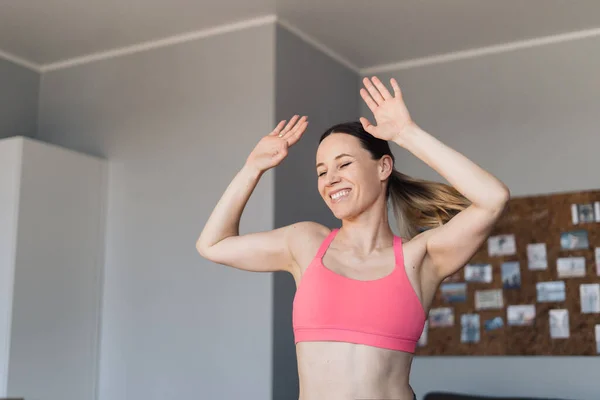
column 420, row 205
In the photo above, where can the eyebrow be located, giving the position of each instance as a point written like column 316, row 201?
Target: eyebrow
column 340, row 156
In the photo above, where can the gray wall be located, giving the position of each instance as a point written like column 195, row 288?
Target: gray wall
column 531, row 118
column 307, row 83
column 19, row 88
column 58, row 265
column 176, row 124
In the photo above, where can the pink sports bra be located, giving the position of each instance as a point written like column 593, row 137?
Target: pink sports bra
column 384, row 312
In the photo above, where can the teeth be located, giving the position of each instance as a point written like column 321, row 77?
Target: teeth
column 337, row 195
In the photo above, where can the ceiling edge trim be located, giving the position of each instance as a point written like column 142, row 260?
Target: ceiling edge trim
column 317, row 44
column 479, row 52
column 145, row 46
column 20, row 61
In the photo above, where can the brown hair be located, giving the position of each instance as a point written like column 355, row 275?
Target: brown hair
column 417, row 204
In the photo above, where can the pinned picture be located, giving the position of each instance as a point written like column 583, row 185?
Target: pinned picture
column 597, row 210
column 550, row 291
column 590, row 298
column 454, row 292
column 597, row 254
column 559, row 324
column 520, row 315
column 488, row 299
column 597, row 329
column 585, row 213
column 470, row 328
column 537, row 256
column 493, row 324
column 511, row 275
column 440, row 317
column 502, row 245
column 574, row 240
column 570, row 267
column 423, row 338
column 478, row 273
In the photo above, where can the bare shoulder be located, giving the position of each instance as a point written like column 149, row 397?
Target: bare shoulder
column 304, row 240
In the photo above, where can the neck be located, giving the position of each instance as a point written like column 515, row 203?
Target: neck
column 370, row 230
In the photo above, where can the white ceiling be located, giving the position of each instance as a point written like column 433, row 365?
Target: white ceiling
column 364, row 34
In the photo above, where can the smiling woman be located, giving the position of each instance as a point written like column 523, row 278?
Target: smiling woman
column 363, row 293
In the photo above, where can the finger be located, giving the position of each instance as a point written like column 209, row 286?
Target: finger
column 367, row 98
column 366, row 124
column 278, row 128
column 297, row 134
column 396, row 87
column 290, row 132
column 373, row 91
column 291, row 123
column 385, row 93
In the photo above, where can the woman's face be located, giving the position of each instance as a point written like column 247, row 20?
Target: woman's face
column 349, row 180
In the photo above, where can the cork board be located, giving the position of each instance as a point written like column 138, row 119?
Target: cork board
column 493, row 325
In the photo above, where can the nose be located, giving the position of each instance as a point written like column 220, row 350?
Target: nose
column 332, row 178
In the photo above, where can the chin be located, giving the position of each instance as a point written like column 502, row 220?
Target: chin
column 343, row 212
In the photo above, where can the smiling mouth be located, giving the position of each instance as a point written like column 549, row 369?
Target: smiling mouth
column 338, row 196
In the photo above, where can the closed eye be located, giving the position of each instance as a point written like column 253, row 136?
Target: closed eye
column 345, row 164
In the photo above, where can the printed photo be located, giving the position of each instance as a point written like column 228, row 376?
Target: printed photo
column 478, row 273
column 570, row 267
column 597, row 210
column 559, row 324
column 537, row 256
column 423, row 338
column 574, row 240
column 469, row 328
column 502, row 245
column 454, row 292
column 550, row 291
column 488, row 299
column 590, row 298
column 597, row 254
column 493, row 324
column 439, row 317
column 520, row 315
column 511, row 275
column 585, row 212
column 597, row 329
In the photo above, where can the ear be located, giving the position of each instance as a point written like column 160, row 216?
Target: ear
column 386, row 166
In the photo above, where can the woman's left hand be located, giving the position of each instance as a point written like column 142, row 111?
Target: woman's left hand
column 390, row 112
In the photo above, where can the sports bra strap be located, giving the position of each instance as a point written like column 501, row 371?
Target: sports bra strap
column 326, row 243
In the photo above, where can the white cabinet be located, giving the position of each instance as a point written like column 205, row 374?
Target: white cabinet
column 52, row 222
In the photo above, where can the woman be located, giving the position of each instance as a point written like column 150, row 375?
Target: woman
column 363, row 293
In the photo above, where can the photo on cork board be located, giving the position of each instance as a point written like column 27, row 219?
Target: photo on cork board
column 511, row 275
column 537, row 256
column 570, row 267
column 597, row 332
column 550, row 291
column 481, row 273
column 590, row 298
column 559, row 323
column 454, row 292
column 520, row 315
column 470, row 328
column 502, row 245
column 489, row 299
column 441, row 317
column 493, row 324
column 574, row 240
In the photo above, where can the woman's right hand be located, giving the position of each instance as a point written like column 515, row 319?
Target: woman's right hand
column 273, row 148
